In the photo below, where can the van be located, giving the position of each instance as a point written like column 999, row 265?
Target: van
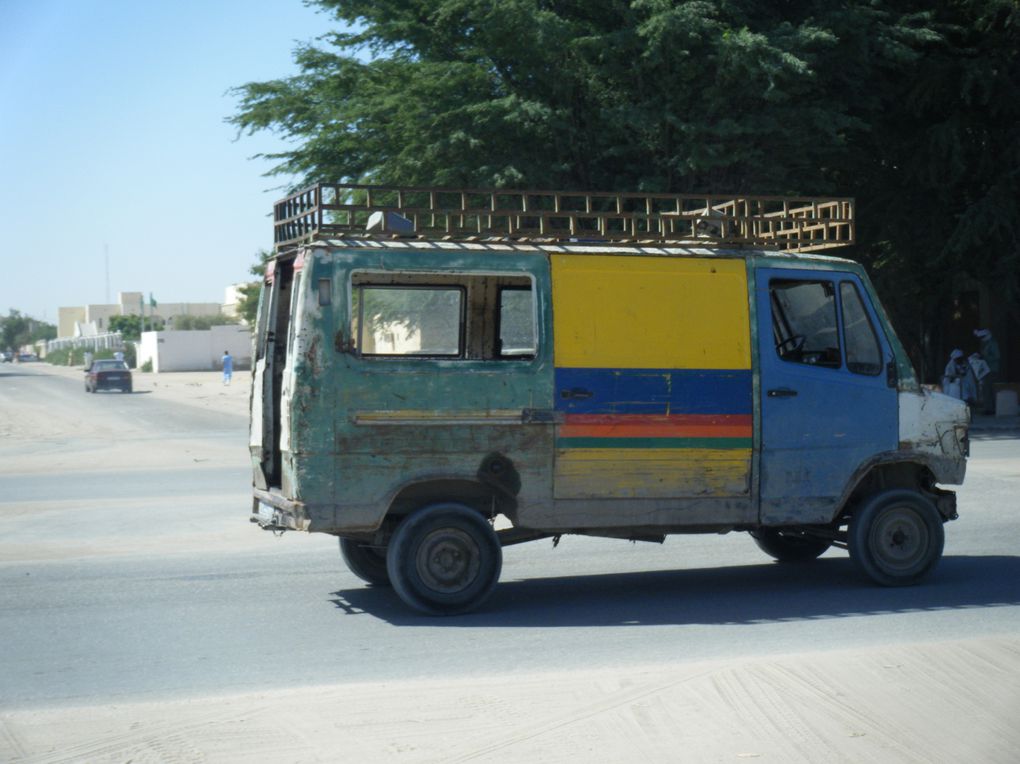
column 441, row 373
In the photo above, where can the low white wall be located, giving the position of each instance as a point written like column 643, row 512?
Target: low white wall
column 198, row 350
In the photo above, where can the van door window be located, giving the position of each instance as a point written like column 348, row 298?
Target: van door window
column 804, row 323
column 516, row 323
column 408, row 321
column 863, row 353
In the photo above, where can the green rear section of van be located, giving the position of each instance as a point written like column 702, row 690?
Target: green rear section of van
column 364, row 430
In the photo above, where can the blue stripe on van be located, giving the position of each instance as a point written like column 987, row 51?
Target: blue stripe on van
column 653, row 391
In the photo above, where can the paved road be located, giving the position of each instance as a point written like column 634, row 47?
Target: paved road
column 143, row 579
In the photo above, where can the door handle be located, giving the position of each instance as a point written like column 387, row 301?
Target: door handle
column 781, row 392
column 577, row 393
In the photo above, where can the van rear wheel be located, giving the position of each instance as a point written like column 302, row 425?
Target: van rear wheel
column 444, row 559
column 366, row 562
column 788, row 547
column 896, row 539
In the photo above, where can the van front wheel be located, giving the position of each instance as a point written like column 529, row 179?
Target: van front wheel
column 366, row 562
column 788, row 547
column 444, row 559
column 896, row 539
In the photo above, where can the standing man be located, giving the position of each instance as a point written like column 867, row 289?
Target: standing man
column 990, row 352
column 228, row 366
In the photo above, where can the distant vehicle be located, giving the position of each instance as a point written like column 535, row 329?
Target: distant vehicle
column 24, row 357
column 6, row 356
column 108, row 375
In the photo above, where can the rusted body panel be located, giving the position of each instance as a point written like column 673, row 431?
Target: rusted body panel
column 933, row 428
column 627, row 417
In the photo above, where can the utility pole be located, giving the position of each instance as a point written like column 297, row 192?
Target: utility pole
column 106, row 257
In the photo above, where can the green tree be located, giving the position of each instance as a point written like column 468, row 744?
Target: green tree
column 248, row 305
column 910, row 106
column 17, row 329
column 939, row 174
column 201, row 322
column 130, row 327
column 650, row 95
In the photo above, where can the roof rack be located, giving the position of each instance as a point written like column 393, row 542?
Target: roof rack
column 331, row 210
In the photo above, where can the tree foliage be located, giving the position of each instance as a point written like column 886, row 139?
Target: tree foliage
column 248, row 305
column 910, row 106
column 132, row 326
column 18, row 330
column 185, row 323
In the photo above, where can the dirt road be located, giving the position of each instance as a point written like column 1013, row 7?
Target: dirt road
column 918, row 700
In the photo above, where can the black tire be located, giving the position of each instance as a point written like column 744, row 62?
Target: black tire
column 788, row 547
column 896, row 539
column 444, row 559
column 366, row 562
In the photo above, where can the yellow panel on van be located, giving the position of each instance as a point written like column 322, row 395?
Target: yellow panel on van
column 650, row 312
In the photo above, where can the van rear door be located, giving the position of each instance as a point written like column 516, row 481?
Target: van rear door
column 269, row 362
column 827, row 406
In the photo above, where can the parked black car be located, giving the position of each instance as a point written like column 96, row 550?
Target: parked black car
column 108, row 375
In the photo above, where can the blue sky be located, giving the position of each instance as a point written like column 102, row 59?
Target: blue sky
column 112, row 136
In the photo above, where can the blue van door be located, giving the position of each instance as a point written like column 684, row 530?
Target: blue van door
column 827, row 404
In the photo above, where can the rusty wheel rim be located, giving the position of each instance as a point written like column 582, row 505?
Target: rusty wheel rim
column 900, row 539
column 448, row 560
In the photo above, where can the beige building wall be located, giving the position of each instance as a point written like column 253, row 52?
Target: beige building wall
column 130, row 304
column 231, row 297
column 67, row 318
column 100, row 315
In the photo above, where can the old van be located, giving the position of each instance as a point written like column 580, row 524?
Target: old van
column 428, row 361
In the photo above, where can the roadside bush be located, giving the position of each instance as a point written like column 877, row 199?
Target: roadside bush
column 76, row 356
column 200, row 322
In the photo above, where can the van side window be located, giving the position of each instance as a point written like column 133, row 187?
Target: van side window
column 466, row 316
column 804, row 325
column 516, row 323
column 408, row 321
column 863, row 353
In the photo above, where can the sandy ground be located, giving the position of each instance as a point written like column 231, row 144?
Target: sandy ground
column 927, row 702
column 938, row 702
column 68, row 443
column 202, row 389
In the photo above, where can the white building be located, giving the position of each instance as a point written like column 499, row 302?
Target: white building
column 198, row 350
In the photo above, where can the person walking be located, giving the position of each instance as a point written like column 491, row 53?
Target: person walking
column 228, row 366
column 980, row 370
column 990, row 354
column 955, row 372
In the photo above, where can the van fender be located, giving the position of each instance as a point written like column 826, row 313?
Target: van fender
column 912, row 470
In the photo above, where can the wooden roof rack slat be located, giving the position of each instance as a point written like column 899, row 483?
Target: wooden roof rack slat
column 796, row 224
